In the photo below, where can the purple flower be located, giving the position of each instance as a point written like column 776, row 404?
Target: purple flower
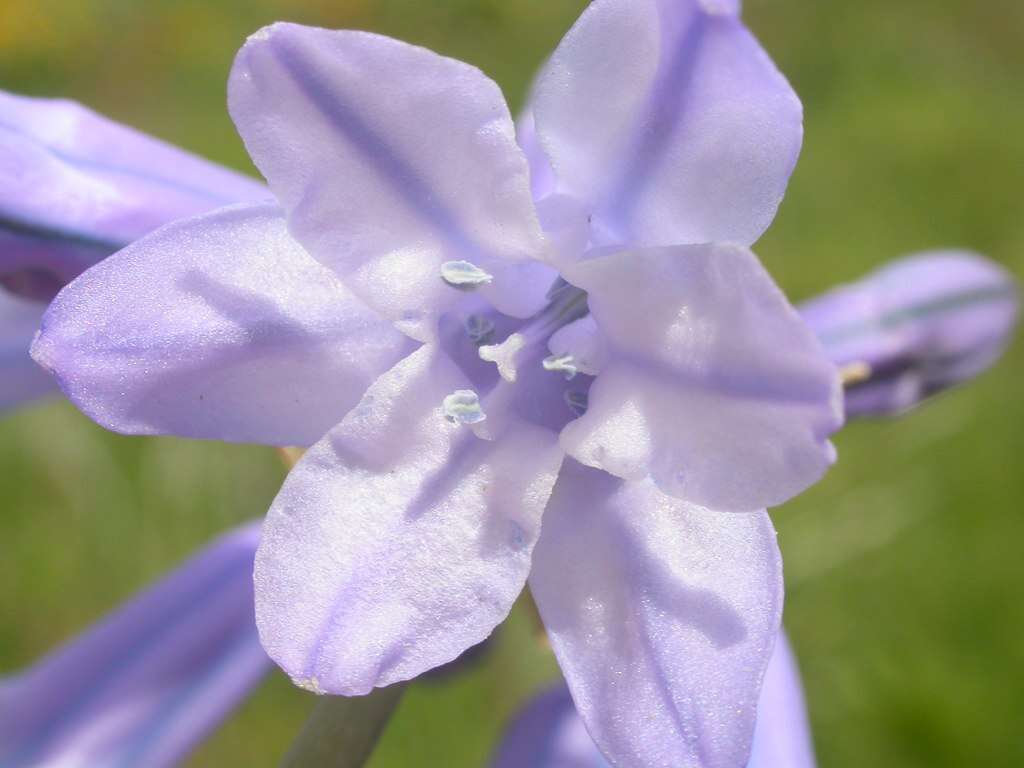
column 492, row 345
column 915, row 327
column 146, row 685
column 74, row 188
column 549, row 733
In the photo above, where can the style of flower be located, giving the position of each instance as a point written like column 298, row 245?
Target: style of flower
column 74, row 188
column 548, row 733
column 589, row 338
column 148, row 683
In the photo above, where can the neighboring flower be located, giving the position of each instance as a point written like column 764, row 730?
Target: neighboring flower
column 548, row 733
column 74, row 188
column 21, row 380
column 146, row 685
column 915, row 327
column 686, row 392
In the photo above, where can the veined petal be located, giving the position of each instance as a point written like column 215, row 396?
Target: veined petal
column 75, row 187
column 400, row 539
column 391, row 161
column 21, row 380
column 217, row 327
column 662, row 615
column 917, row 326
column 549, row 733
column 542, row 176
column 147, row 684
column 670, row 120
column 717, row 390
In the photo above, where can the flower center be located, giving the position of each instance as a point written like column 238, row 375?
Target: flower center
column 566, row 304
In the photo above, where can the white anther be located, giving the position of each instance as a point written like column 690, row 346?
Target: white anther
column 581, row 342
column 463, row 407
column 563, row 364
column 464, row 274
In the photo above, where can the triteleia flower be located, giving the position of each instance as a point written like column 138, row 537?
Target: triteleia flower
column 148, row 683
column 494, row 344
column 74, row 188
column 915, row 327
column 549, row 733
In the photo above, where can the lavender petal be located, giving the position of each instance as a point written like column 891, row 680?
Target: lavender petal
column 401, row 539
column 549, row 733
column 716, row 389
column 670, row 120
column 231, row 332
column 782, row 738
column 147, row 684
column 391, row 161
column 662, row 615
column 21, row 380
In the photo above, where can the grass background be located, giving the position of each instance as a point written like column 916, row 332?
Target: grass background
column 904, row 567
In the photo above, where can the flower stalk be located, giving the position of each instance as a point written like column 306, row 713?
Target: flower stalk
column 343, row 731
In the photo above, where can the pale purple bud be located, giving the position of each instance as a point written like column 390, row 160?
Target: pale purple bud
column 914, row 328
column 76, row 186
column 148, row 683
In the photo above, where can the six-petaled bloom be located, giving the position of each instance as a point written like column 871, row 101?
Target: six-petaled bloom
column 571, row 325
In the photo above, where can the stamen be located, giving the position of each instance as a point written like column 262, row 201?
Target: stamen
column 577, row 401
column 479, row 329
column 564, row 363
column 463, row 407
column 464, row 274
column 568, row 303
column 504, row 355
column 854, row 373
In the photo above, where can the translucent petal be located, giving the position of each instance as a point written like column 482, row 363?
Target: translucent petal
column 390, row 161
column 670, row 120
column 401, row 539
column 662, row 615
column 216, row 327
column 548, row 732
column 716, row 389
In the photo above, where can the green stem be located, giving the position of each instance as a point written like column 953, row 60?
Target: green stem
column 342, row 731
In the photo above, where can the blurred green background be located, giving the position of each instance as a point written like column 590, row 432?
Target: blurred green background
column 904, row 567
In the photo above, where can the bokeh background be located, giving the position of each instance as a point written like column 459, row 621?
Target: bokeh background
column 905, row 571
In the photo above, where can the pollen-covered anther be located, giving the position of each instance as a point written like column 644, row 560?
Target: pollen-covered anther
column 464, row 275
column 854, row 373
column 561, row 363
column 463, row 407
